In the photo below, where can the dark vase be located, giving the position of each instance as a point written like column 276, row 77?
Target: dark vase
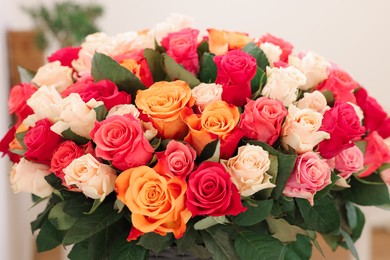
column 173, row 254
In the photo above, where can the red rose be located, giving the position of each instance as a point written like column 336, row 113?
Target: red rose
column 284, row 45
column 103, row 90
column 17, row 102
column 230, row 142
column 182, row 47
column 41, row 142
column 343, row 125
column 211, row 192
column 235, row 69
column 65, row 56
column 262, row 119
column 384, row 129
column 4, row 145
column 120, row 139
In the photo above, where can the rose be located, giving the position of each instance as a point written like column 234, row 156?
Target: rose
column 349, row 161
column 94, row 179
column 285, row 46
column 283, row 84
column 163, row 102
column 205, row 94
column 211, row 192
column 300, row 131
column 220, row 41
column 41, row 142
column 53, row 74
column 248, row 169
column 63, row 156
column 138, row 65
column 385, row 176
column 177, row 160
column 272, row 52
column 65, row 56
column 44, row 102
column 313, row 66
column 174, row 22
column 315, row 101
column 5, row 145
column 262, row 119
column 76, row 115
column 235, row 69
column 120, row 139
column 30, row 177
column 343, row 125
column 181, row 46
column 311, row 174
column 157, row 203
column 17, row 102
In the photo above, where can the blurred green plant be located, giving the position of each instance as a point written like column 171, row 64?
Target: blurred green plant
column 66, row 22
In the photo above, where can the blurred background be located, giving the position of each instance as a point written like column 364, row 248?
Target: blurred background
column 352, row 33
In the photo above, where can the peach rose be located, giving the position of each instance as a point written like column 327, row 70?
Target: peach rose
column 220, row 41
column 29, row 177
column 53, row 74
column 163, row 102
column 205, row 94
column 315, row 101
column 248, row 169
column 94, row 179
column 44, row 103
column 157, row 203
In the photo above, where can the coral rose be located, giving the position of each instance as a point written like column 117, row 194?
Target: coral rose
column 17, row 102
column 63, row 156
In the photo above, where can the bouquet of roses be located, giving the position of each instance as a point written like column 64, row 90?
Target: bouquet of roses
column 219, row 145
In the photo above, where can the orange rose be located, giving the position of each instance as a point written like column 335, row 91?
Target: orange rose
column 15, row 145
column 217, row 120
column 221, row 41
column 133, row 66
column 163, row 102
column 157, row 203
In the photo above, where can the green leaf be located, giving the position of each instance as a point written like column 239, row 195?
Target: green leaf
column 20, row 138
column 322, row 217
column 42, row 217
column 219, row 244
column 101, row 112
column 104, row 67
column 210, row 221
column 25, row 74
column 88, row 225
column 187, row 240
column 329, row 96
column 153, row 58
column 257, row 211
column 324, row 191
column 54, row 181
column 250, row 245
column 49, row 237
column 77, row 206
column 301, row 249
column 283, row 231
column 210, row 152
column 79, row 251
column 128, row 251
column 350, row 244
column 199, row 251
column 257, row 53
column 203, row 47
column 176, row 71
column 355, row 219
column 208, row 69
column 70, row 135
column 59, row 219
column 258, row 82
column 96, row 204
column 154, row 242
column 366, row 194
column 333, row 241
column 158, row 47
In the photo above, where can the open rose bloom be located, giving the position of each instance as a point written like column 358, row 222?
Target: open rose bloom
column 213, row 143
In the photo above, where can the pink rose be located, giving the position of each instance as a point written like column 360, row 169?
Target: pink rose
column 182, row 47
column 121, row 140
column 311, row 174
column 211, row 192
column 177, row 160
column 235, row 70
column 285, row 46
column 262, row 119
column 349, row 161
column 343, row 125
column 17, row 102
column 65, row 56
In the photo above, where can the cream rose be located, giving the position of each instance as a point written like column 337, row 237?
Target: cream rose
column 272, row 52
column 53, row 74
column 77, row 115
column 44, row 103
column 315, row 101
column 283, row 84
column 29, row 177
column 205, row 94
column 300, row 130
column 313, row 66
column 248, row 170
column 175, row 22
column 94, row 179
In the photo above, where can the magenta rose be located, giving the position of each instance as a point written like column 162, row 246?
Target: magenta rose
column 121, row 140
column 177, row 160
column 211, row 192
column 17, row 102
column 283, row 44
column 311, row 174
column 349, row 161
column 235, row 70
column 41, row 142
column 182, row 47
column 343, row 125
column 65, row 56
column 262, row 119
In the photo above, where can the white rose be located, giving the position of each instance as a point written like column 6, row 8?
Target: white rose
column 248, row 170
column 272, row 52
column 124, row 110
column 44, row 103
column 313, row 66
column 283, row 84
column 300, row 130
column 94, row 179
column 53, row 74
column 206, row 93
column 29, row 177
column 77, row 115
column 315, row 101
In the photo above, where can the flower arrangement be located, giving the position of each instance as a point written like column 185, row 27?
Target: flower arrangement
column 221, row 146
